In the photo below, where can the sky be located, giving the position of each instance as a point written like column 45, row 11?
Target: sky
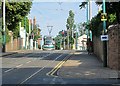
column 56, row 13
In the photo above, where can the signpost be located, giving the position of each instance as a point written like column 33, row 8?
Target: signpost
column 104, row 37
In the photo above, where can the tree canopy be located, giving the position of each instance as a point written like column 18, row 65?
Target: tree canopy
column 15, row 12
column 113, row 16
column 111, row 8
column 70, row 20
column 81, row 28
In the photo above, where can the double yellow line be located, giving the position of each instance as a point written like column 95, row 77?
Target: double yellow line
column 51, row 73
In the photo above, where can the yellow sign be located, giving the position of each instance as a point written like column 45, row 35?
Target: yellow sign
column 103, row 17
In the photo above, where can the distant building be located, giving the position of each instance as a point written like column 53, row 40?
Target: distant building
column 22, row 35
column 82, row 42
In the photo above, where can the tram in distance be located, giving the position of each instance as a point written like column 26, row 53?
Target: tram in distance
column 49, row 43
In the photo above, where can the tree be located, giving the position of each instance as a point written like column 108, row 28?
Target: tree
column 81, row 28
column 70, row 25
column 111, row 8
column 113, row 16
column 25, row 23
column 15, row 12
column 36, row 32
column 70, row 20
column 58, row 40
column 74, row 27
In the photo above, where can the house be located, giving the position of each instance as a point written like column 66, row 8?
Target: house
column 81, row 42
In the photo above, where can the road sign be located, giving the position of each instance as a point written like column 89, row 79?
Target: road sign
column 103, row 16
column 104, row 37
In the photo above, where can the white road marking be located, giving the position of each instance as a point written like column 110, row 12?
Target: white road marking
column 58, row 57
column 32, row 75
column 9, row 70
column 28, row 61
column 38, row 71
column 19, row 65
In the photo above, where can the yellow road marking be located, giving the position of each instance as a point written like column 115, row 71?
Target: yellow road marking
column 54, row 68
column 57, row 67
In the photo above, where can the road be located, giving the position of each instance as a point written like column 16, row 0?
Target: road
column 33, row 67
column 40, row 67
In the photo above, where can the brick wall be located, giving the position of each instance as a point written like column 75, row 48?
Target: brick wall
column 114, row 47
column 9, row 45
column 13, row 45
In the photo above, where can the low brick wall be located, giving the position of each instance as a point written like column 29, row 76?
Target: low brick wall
column 114, row 47
column 13, row 45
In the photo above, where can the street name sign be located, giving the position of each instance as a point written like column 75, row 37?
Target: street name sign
column 104, row 37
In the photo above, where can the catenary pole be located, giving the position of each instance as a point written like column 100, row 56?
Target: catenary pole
column 4, row 30
column 104, row 42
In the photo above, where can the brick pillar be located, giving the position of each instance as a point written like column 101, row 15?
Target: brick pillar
column 114, row 47
column 119, row 51
column 15, row 44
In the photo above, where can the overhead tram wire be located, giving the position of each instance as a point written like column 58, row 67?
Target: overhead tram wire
column 38, row 10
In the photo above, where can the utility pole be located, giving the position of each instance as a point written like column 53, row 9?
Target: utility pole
column 90, row 10
column 64, row 40
column 76, row 37
column 49, row 29
column 25, row 30
column 4, row 30
column 87, row 16
column 87, row 12
column 90, row 17
column 68, row 38
column 104, row 42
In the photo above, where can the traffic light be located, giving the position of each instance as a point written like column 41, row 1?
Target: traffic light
column 62, row 33
column 65, row 33
column 103, row 17
column 74, row 35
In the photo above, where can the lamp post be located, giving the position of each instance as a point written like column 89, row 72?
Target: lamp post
column 87, row 12
column 25, row 31
column 87, row 15
column 64, row 40
column 4, row 33
column 68, row 39
column 90, row 17
column 76, row 37
column 104, row 42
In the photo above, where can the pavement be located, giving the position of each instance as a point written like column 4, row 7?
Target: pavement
column 84, row 66
column 13, row 52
